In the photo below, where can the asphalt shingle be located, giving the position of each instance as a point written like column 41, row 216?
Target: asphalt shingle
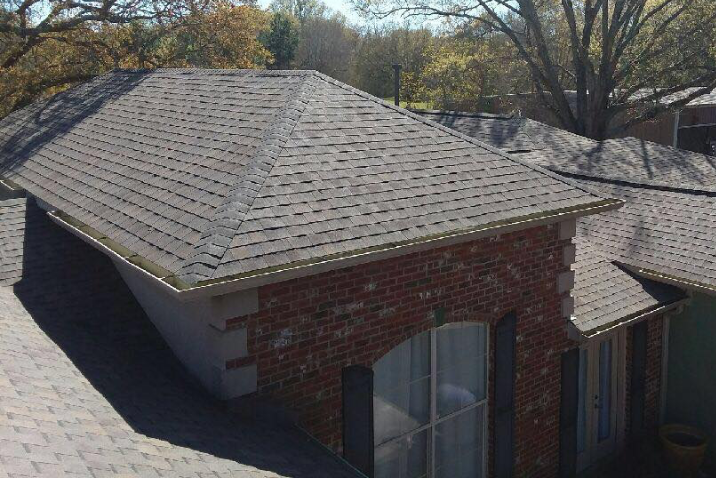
column 605, row 293
column 657, row 230
column 671, row 232
column 211, row 173
column 88, row 388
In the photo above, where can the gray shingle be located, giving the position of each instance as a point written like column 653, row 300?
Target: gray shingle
column 605, row 293
column 180, row 165
column 88, row 387
column 671, row 232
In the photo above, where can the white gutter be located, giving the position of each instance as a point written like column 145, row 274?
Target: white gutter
column 172, row 285
column 639, row 318
column 672, row 280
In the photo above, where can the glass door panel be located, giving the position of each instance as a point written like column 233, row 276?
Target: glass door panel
column 605, row 391
column 582, row 404
column 599, row 383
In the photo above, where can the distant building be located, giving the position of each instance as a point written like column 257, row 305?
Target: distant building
column 692, row 129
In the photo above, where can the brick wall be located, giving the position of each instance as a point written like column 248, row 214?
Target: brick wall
column 307, row 330
column 655, row 330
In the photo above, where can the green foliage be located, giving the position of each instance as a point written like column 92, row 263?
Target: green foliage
column 302, row 10
column 282, row 39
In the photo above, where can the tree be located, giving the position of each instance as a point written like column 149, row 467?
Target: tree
column 459, row 72
column 327, row 45
column 27, row 24
column 281, row 40
column 380, row 48
column 302, row 10
column 627, row 60
column 214, row 34
column 224, row 36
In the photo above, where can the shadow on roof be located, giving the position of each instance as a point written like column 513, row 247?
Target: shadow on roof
column 30, row 128
column 77, row 298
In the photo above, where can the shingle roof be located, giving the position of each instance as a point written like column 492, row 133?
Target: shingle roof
column 506, row 133
column 88, row 388
column 625, row 159
column 665, row 231
column 605, row 293
column 653, row 230
column 12, row 226
column 708, row 99
column 211, row 173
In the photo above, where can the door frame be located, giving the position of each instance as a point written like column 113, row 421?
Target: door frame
column 592, row 452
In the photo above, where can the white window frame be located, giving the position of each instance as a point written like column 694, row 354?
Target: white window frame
column 434, row 419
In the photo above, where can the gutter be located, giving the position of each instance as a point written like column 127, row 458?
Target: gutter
column 636, row 319
column 670, row 279
column 184, row 291
column 10, row 190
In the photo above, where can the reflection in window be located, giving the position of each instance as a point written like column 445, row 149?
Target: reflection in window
column 421, row 406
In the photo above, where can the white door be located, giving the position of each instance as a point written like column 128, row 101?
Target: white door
column 601, row 388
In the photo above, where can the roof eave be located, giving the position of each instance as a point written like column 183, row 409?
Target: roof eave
column 631, row 320
column 184, row 291
column 671, row 279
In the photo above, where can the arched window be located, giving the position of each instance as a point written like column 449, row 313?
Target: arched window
column 430, row 405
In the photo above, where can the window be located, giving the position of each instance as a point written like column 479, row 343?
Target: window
column 430, row 405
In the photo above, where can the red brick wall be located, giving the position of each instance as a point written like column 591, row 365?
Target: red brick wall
column 655, row 329
column 308, row 329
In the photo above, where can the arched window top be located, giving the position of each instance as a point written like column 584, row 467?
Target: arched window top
column 429, row 401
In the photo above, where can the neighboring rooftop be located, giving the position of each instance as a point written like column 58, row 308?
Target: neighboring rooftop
column 88, row 387
column 668, row 231
column 708, row 99
column 211, row 174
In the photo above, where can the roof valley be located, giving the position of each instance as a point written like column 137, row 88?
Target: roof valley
column 228, row 217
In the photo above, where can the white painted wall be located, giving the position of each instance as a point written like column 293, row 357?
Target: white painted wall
column 196, row 332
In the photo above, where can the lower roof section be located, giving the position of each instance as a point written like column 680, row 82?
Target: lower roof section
column 88, row 387
column 606, row 294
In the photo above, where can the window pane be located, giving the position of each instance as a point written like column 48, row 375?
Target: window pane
column 403, row 458
column 459, row 447
column 461, row 359
column 401, row 389
column 605, row 389
column 582, row 403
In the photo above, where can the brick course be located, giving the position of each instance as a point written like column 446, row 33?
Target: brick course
column 307, row 330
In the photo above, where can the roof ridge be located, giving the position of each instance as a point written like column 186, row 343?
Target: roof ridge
column 613, row 179
column 210, row 71
column 462, row 136
column 228, row 217
column 465, row 114
column 633, row 182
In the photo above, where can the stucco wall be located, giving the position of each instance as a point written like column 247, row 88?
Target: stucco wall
column 691, row 382
column 196, row 332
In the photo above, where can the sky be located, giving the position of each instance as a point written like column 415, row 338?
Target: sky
column 342, row 6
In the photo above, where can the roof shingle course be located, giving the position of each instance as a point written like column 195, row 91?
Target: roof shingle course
column 88, row 387
column 659, row 230
column 211, row 173
column 605, row 293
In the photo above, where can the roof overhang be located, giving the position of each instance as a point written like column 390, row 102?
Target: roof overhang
column 671, row 279
column 184, row 291
column 583, row 335
column 10, row 190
